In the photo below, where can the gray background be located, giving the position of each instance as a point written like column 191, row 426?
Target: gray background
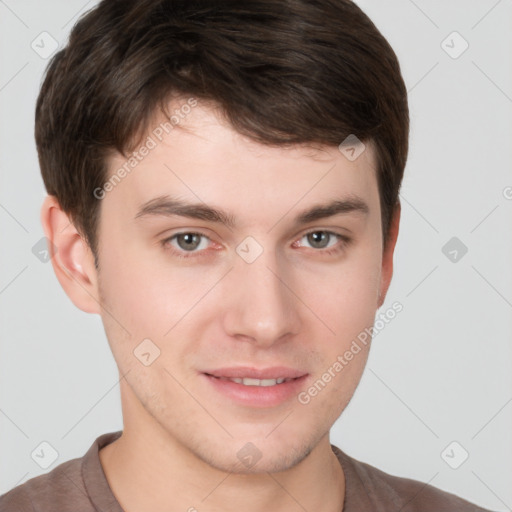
column 439, row 372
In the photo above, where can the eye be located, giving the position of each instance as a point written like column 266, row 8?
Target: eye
column 186, row 242
column 326, row 241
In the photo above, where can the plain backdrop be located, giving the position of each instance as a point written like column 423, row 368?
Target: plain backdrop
column 438, row 380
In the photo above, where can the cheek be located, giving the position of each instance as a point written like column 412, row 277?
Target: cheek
column 145, row 293
column 346, row 298
column 148, row 298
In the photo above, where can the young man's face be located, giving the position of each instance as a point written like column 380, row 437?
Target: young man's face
column 259, row 293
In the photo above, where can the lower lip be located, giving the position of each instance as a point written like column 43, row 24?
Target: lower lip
column 257, row 396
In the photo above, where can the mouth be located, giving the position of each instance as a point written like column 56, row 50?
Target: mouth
column 256, row 388
column 248, row 381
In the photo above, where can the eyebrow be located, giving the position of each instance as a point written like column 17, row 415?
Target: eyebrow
column 168, row 207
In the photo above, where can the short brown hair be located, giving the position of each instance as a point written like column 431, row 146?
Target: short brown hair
column 281, row 71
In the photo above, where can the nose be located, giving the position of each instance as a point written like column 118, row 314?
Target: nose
column 262, row 306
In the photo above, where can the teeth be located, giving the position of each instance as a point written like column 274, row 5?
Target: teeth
column 246, row 381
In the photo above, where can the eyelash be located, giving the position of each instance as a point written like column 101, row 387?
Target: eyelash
column 345, row 241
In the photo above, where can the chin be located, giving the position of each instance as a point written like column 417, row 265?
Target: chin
column 255, row 455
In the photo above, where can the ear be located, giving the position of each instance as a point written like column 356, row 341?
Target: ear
column 387, row 255
column 71, row 257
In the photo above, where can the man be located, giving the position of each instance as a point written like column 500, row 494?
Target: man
column 223, row 184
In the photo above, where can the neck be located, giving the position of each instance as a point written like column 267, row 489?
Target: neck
column 148, row 473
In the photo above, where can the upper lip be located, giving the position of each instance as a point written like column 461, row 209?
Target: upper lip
column 274, row 372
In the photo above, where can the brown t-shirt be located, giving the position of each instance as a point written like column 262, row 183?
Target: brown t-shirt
column 80, row 485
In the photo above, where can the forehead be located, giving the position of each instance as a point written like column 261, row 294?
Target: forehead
column 197, row 155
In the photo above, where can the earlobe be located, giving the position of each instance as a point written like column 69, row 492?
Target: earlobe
column 387, row 256
column 71, row 257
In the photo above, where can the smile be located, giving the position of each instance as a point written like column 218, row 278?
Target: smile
column 253, row 392
column 247, row 381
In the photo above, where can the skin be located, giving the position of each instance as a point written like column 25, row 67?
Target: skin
column 294, row 305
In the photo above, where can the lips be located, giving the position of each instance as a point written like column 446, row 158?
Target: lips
column 252, row 387
column 247, row 381
column 281, row 373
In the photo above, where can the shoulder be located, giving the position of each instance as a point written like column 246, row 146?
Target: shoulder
column 384, row 491
column 48, row 492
